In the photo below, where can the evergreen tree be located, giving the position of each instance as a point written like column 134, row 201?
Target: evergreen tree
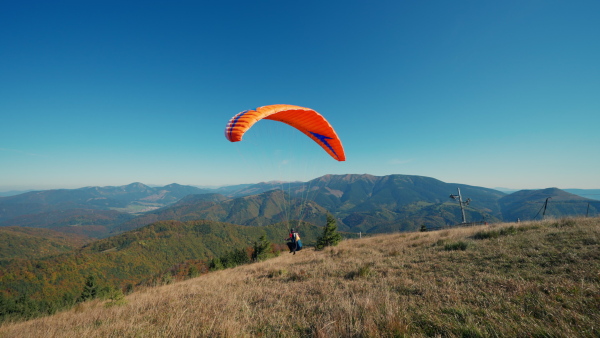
column 128, row 288
column 90, row 289
column 236, row 257
column 116, row 297
column 331, row 237
column 193, row 271
column 262, row 249
column 216, row 264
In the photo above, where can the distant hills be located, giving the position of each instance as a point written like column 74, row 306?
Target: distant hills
column 92, row 211
column 360, row 203
column 522, row 204
column 587, row 193
column 270, row 207
column 135, row 197
column 13, row 192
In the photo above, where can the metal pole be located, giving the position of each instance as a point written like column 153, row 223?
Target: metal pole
column 588, row 210
column 462, row 209
column 545, row 206
column 462, row 204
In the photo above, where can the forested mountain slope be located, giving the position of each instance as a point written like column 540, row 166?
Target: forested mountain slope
column 130, row 258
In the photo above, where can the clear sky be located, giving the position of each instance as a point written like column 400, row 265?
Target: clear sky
column 486, row 93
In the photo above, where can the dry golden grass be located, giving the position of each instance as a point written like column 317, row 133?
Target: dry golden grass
column 527, row 279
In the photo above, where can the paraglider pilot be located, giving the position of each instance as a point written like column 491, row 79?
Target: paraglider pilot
column 293, row 242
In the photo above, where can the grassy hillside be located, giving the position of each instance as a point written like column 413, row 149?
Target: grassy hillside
column 528, row 279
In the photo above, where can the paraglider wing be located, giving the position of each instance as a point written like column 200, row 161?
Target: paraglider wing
column 308, row 121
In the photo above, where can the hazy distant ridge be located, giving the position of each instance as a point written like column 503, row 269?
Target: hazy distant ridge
column 361, row 203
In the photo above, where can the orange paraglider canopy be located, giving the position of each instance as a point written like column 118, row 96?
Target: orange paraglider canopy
column 308, row 121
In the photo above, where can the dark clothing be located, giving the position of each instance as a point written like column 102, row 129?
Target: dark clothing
column 295, row 246
column 294, row 242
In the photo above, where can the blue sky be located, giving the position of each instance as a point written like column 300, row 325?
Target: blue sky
column 486, row 93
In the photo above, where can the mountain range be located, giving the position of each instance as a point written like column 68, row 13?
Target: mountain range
column 361, row 203
column 92, row 211
column 53, row 241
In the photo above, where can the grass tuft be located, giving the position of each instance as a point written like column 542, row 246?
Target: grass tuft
column 490, row 234
column 460, row 245
column 565, row 222
column 363, row 272
column 277, row 273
